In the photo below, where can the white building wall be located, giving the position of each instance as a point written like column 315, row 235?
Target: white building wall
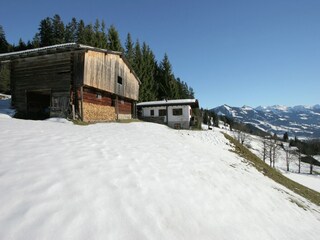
column 146, row 111
column 174, row 121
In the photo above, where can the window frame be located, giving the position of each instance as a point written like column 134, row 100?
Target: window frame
column 177, row 111
column 98, row 95
column 161, row 111
column 120, row 80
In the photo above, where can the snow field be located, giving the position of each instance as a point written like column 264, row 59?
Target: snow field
column 137, row 181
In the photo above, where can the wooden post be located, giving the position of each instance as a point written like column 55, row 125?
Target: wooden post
column 26, row 101
column 117, row 108
column 81, row 92
column 134, row 109
column 73, row 113
column 167, row 115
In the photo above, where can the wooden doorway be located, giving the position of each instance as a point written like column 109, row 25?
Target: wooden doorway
column 38, row 104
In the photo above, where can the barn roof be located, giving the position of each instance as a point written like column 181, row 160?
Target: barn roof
column 192, row 102
column 65, row 47
column 52, row 49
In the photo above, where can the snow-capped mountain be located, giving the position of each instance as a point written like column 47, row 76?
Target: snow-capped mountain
column 300, row 121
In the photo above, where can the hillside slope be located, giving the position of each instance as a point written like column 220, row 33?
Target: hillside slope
column 138, row 181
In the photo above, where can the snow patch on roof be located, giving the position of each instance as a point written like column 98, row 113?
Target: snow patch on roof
column 169, row 102
column 57, row 46
column 40, row 49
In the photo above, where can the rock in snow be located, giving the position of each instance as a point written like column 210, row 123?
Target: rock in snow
column 138, row 181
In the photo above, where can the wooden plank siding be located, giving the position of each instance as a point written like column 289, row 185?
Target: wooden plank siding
column 125, row 107
column 47, row 72
column 101, row 71
column 91, row 96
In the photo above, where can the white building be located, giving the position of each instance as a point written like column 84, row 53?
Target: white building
column 175, row 113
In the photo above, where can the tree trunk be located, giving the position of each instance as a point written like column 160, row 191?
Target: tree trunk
column 299, row 161
column 311, row 165
column 270, row 155
column 264, row 151
column 274, row 156
column 287, row 160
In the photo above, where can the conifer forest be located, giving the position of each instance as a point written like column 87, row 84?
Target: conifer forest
column 157, row 77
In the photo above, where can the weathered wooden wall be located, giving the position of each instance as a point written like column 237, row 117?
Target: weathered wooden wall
column 45, row 72
column 101, row 70
column 90, row 96
column 125, row 107
column 104, row 106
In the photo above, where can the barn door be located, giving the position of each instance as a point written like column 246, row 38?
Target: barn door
column 38, row 104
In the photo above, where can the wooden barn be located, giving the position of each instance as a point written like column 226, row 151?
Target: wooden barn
column 72, row 80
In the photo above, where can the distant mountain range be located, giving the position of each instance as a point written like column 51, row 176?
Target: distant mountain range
column 300, row 121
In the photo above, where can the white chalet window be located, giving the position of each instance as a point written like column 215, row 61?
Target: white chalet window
column 162, row 112
column 177, row 111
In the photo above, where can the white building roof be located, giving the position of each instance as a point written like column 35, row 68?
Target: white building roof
column 175, row 102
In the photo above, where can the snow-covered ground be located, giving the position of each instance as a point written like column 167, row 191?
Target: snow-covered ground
column 5, row 102
column 138, row 181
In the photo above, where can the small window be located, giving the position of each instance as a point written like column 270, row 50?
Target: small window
column 119, row 80
column 55, row 102
column 152, row 112
column 177, row 111
column 60, row 102
column 162, row 112
column 98, row 96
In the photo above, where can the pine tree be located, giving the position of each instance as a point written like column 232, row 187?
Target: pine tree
column 114, row 42
column 80, row 33
column 58, row 31
column 21, row 46
column 29, row 45
column 96, row 29
column 89, row 35
column 100, row 35
column 71, row 31
column 148, row 87
column 185, row 89
column 137, row 64
column 129, row 50
column 4, row 46
column 100, row 38
column 191, row 93
column 103, row 40
column 36, row 41
column 205, row 117
column 46, row 32
column 166, row 80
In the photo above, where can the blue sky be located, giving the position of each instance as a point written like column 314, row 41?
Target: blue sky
column 238, row 52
